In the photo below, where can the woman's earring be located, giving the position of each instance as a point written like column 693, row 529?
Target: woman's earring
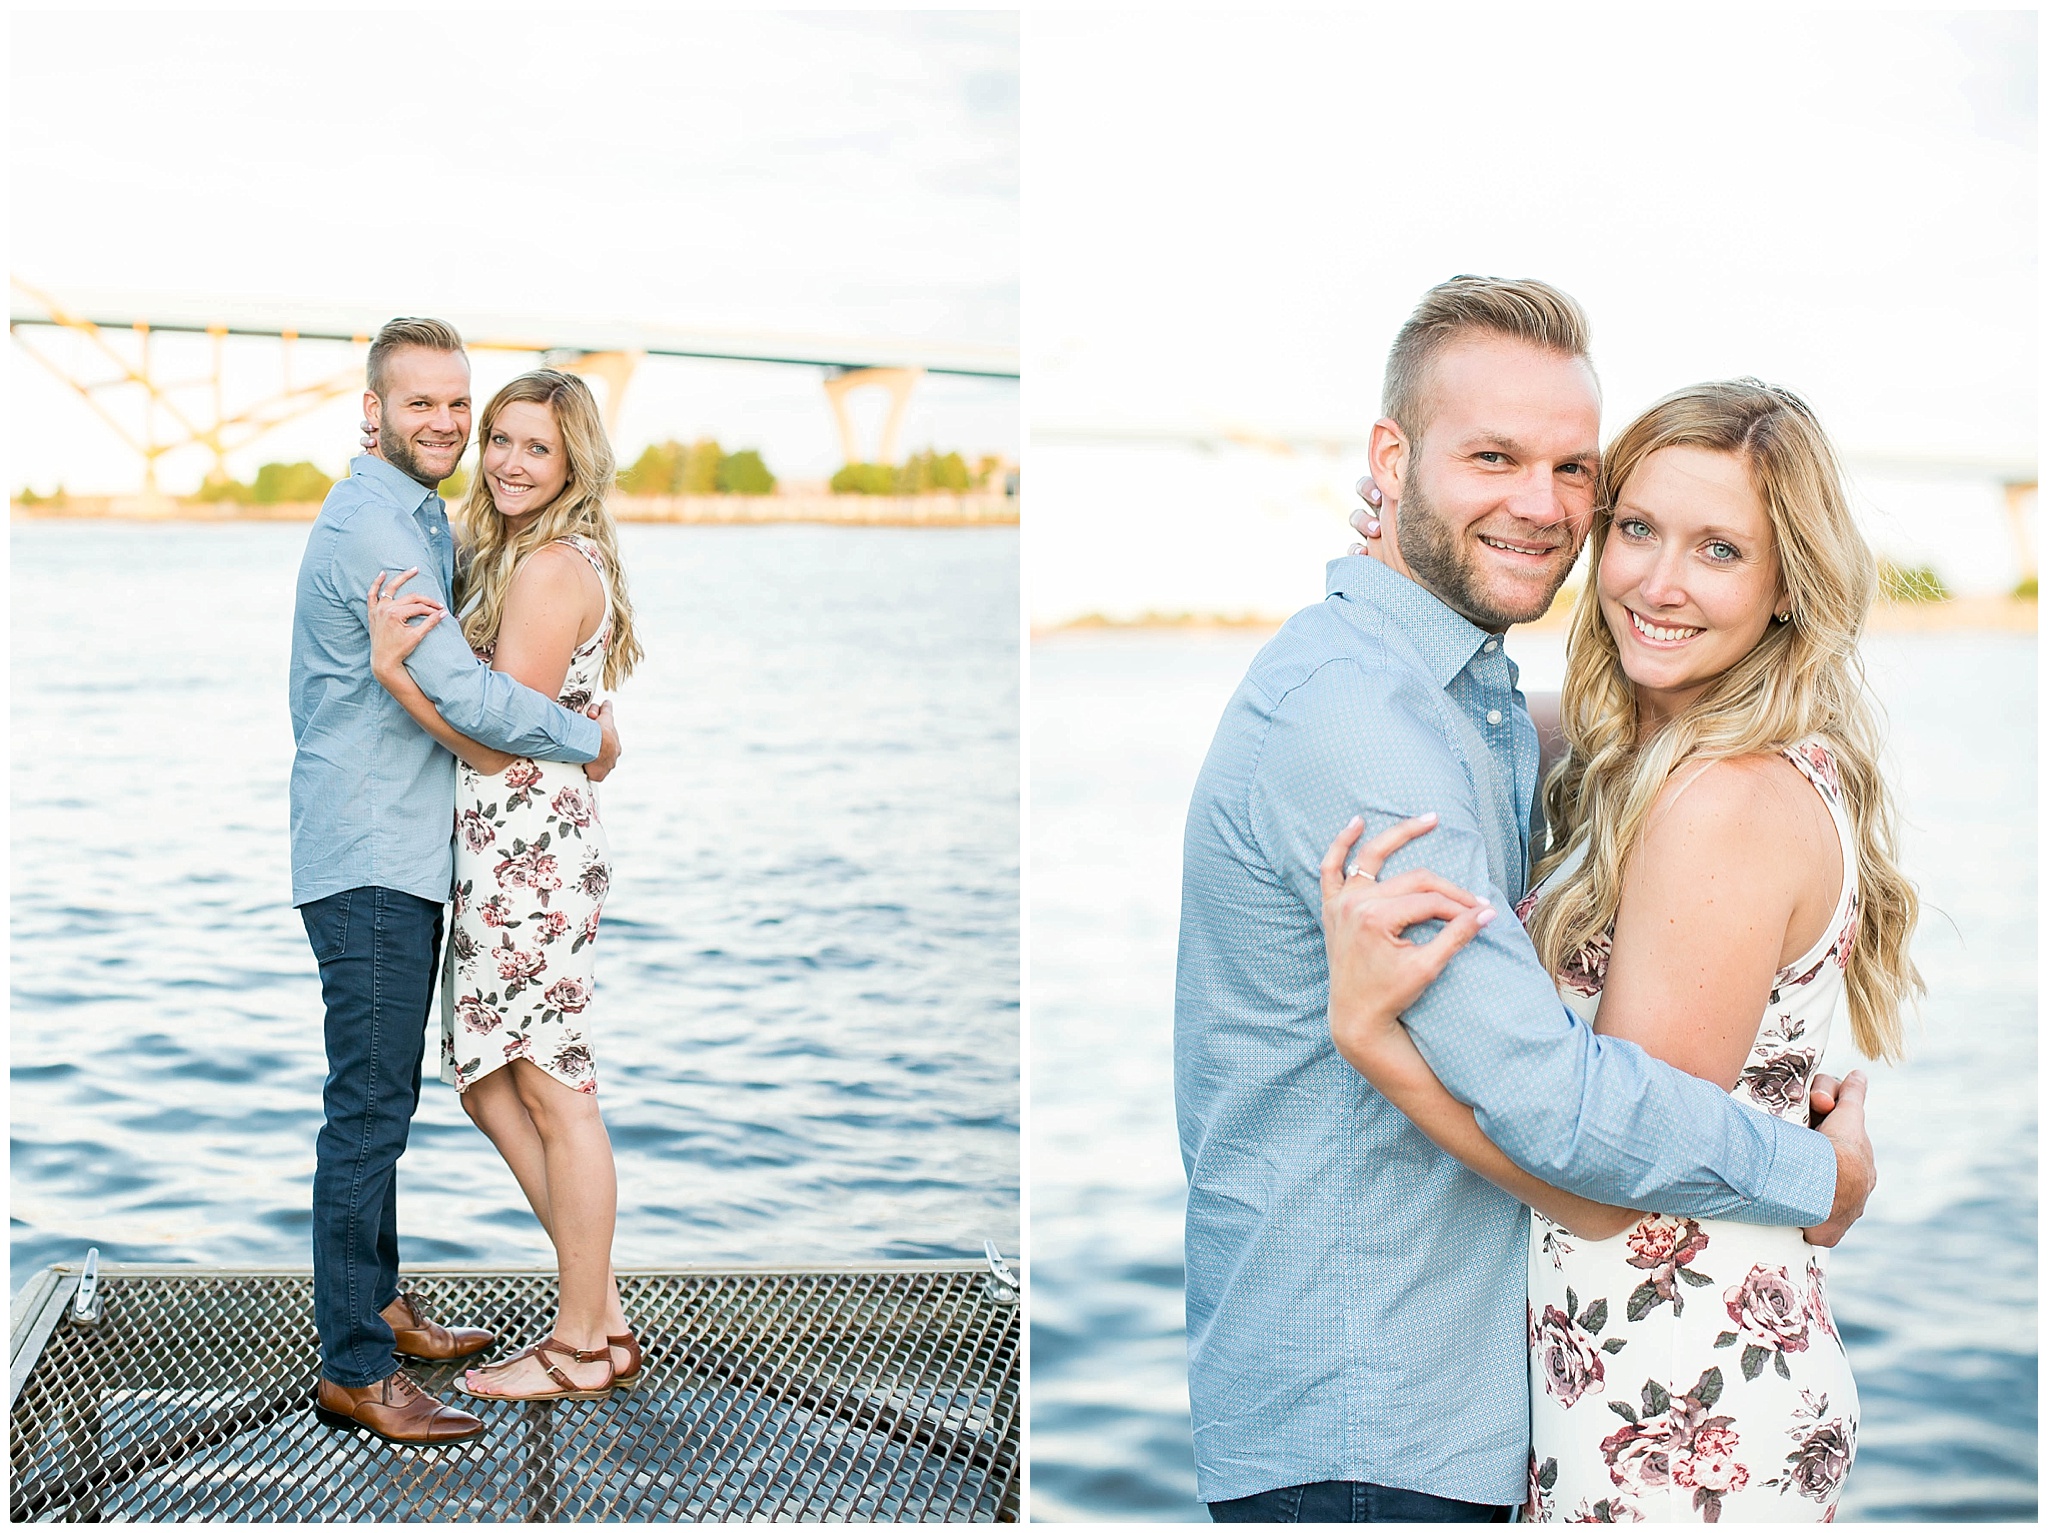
column 1784, row 617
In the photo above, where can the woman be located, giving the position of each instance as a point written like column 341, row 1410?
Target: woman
column 1720, row 876
column 541, row 598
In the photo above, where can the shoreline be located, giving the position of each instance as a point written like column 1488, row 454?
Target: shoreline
column 941, row 510
column 1958, row 614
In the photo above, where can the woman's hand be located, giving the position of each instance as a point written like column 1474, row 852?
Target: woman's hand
column 1376, row 973
column 393, row 634
column 1365, row 521
column 369, row 436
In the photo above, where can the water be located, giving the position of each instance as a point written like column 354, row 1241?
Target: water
column 1935, row 1288
column 807, row 981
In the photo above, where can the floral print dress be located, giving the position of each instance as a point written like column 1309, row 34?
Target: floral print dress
column 1689, row 1369
column 531, row 870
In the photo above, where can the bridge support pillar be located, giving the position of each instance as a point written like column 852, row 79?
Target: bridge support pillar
column 899, row 381
column 615, row 368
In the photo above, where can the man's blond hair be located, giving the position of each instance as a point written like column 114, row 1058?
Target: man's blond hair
column 429, row 334
column 1519, row 308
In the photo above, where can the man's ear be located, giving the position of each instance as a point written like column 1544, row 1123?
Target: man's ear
column 1388, row 456
column 373, row 409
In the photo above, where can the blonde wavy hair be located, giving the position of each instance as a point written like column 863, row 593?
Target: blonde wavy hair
column 1804, row 679
column 494, row 554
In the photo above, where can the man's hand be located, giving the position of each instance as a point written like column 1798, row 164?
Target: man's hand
column 1855, row 1163
column 608, row 751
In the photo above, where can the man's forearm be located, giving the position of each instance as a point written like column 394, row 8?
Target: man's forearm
column 495, row 710
column 1622, row 1128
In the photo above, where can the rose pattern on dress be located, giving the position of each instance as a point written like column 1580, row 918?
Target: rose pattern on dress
column 1777, row 1082
column 1846, row 938
column 477, row 832
column 1665, row 1248
column 1557, row 1244
column 1817, row 1299
column 1817, row 756
column 1769, row 1313
column 1606, row 1509
column 524, row 908
column 1561, row 1341
column 1823, row 1448
column 530, row 867
column 1585, row 971
column 519, row 779
column 1674, row 1442
column 1542, row 1479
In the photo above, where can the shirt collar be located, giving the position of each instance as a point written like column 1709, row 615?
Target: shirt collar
column 402, row 487
column 1445, row 641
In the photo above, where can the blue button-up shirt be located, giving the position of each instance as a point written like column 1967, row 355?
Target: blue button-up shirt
column 1355, row 1296
column 373, row 794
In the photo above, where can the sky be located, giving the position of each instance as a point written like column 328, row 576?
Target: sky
column 1230, row 216
column 839, row 173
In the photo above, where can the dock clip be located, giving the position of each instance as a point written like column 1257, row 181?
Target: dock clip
column 87, row 1305
column 1001, row 1283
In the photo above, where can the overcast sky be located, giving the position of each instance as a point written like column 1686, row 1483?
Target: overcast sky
column 1230, row 215
column 845, row 174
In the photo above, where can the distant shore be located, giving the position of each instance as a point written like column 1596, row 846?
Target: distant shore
column 1979, row 614
column 941, row 510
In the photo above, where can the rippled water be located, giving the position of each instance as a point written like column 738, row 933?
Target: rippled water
column 1935, row 1289
column 807, row 984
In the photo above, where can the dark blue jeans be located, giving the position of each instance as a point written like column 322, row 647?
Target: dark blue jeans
column 1352, row 1501
column 376, row 950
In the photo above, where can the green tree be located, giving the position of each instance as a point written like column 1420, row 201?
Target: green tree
column 702, row 468
column 743, row 473
column 655, row 471
column 930, row 471
column 219, row 487
column 455, row 486
column 280, row 484
column 865, row 479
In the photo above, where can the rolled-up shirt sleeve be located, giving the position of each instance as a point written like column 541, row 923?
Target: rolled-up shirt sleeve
column 488, row 706
column 1593, row 1115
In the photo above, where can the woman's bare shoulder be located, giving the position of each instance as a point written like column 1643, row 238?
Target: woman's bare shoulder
column 554, row 572
column 1737, row 805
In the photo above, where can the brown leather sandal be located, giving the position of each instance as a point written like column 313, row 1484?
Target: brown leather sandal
column 566, row 1388
column 636, row 1363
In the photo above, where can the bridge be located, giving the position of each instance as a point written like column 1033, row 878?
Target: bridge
column 119, row 332
column 2016, row 474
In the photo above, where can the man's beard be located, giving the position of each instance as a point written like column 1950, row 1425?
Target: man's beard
column 399, row 454
column 1442, row 565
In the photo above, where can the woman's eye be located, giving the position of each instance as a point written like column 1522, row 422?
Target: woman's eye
column 497, row 439
column 1631, row 528
column 1722, row 553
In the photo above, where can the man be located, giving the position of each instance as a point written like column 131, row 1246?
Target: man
column 1356, row 1297
column 373, row 816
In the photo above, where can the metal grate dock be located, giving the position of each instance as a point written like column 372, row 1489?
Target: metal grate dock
column 885, row 1393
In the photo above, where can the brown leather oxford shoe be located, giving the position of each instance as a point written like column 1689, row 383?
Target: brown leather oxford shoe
column 429, row 1340
column 395, row 1409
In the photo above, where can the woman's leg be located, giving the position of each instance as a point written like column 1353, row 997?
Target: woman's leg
column 493, row 1105
column 578, row 1188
